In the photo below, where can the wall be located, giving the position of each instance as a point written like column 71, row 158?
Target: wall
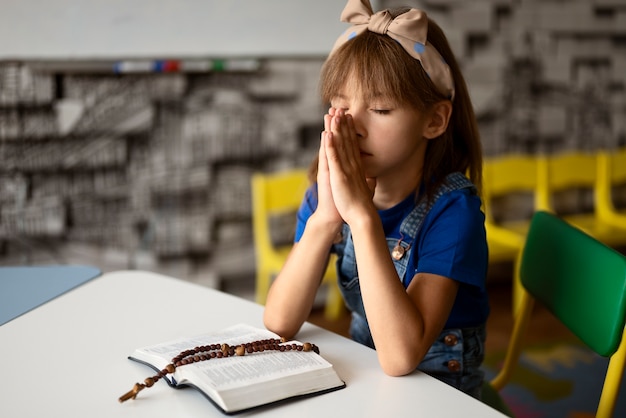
column 115, row 29
column 150, row 169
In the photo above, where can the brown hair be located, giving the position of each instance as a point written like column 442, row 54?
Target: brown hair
column 383, row 67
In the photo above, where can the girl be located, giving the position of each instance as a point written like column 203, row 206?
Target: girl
column 392, row 200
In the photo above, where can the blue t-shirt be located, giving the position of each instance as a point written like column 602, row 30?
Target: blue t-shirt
column 451, row 242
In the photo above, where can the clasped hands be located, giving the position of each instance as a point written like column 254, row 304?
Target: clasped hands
column 344, row 191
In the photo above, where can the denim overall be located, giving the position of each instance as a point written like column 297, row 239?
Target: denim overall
column 456, row 355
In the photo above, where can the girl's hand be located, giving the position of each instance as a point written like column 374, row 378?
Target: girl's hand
column 351, row 191
column 325, row 203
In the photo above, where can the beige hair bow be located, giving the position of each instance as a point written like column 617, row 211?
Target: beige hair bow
column 409, row 29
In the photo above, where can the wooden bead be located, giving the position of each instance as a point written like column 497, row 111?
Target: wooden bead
column 240, row 350
column 149, row 381
column 307, row 347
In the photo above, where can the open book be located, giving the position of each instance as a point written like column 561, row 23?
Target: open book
column 238, row 383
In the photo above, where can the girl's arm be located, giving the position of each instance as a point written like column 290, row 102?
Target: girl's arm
column 404, row 323
column 291, row 296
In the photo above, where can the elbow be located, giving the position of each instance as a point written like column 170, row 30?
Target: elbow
column 399, row 365
column 398, row 370
column 278, row 325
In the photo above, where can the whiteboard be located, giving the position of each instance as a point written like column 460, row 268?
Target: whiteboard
column 119, row 29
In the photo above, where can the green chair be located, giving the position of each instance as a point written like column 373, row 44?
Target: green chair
column 583, row 283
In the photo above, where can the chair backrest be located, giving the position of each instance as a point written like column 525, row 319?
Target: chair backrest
column 282, row 191
column 579, row 279
column 275, row 195
column 618, row 166
column 571, row 169
column 507, row 174
column 566, row 171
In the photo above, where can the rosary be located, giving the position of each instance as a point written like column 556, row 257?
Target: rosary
column 208, row 352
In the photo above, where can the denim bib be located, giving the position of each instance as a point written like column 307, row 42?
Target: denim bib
column 446, row 358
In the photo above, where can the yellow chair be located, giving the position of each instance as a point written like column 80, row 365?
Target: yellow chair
column 583, row 283
column 579, row 171
column 276, row 198
column 504, row 176
column 611, row 173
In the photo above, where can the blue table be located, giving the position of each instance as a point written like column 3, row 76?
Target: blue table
column 25, row 288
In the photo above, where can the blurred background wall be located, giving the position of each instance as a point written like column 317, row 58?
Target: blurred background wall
column 129, row 132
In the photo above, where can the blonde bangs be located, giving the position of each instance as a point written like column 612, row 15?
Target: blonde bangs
column 367, row 60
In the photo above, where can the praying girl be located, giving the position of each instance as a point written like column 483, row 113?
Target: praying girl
column 396, row 195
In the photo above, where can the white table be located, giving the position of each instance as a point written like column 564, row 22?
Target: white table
column 68, row 358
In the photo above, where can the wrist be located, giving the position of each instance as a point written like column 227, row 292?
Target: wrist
column 365, row 223
column 322, row 229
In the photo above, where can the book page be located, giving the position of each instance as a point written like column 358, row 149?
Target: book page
column 226, row 373
column 234, row 335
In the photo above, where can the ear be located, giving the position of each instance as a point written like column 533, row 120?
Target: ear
column 438, row 119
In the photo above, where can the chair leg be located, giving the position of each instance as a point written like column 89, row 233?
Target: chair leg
column 517, row 288
column 612, row 382
column 515, row 344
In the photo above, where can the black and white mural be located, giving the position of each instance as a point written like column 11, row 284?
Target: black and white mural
column 145, row 161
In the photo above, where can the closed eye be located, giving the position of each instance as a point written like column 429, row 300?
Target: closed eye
column 381, row 111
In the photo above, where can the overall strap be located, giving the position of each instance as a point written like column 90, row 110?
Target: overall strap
column 453, row 181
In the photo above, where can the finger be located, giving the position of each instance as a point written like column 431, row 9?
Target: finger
column 322, row 164
column 329, row 158
column 327, row 122
column 332, row 154
column 328, row 118
column 339, row 138
column 346, row 143
column 350, row 131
